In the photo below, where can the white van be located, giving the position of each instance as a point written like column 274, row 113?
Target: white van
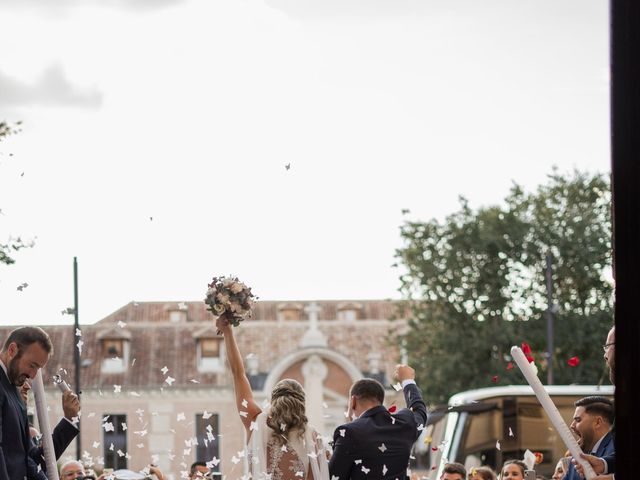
column 491, row 425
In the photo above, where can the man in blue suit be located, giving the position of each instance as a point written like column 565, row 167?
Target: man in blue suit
column 592, row 422
column 377, row 444
column 25, row 351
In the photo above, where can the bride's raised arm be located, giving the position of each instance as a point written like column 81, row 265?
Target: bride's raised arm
column 248, row 409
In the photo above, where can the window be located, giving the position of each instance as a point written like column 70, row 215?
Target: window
column 112, row 348
column 289, row 312
column 207, row 433
column 115, row 441
column 210, row 348
column 115, row 355
column 210, row 355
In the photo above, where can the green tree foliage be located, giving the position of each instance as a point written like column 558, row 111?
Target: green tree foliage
column 12, row 245
column 477, row 285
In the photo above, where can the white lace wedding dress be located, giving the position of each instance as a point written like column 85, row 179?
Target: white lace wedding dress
column 297, row 458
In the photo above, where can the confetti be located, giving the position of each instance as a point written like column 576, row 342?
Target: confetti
column 397, row 387
column 393, row 408
column 169, row 380
column 510, row 432
column 495, row 379
column 235, row 460
column 342, row 432
column 78, row 332
column 510, row 366
column 79, row 345
column 164, row 370
column 382, row 448
column 253, row 426
column 117, row 388
column 108, row 427
column 573, row 362
column 22, row 286
column 287, row 166
column 245, row 404
column 96, row 444
column 193, row 380
column 121, row 324
column 384, row 469
column 498, row 445
column 284, row 448
column 243, row 413
column 365, row 469
column 180, row 417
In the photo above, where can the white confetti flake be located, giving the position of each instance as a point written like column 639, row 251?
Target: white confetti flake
column 180, row 417
column 79, row 345
column 124, row 427
column 108, row 427
column 384, row 470
column 357, row 462
column 193, row 380
column 142, row 433
column 235, row 460
column 164, row 370
column 170, row 380
column 342, row 432
column 213, row 463
column 284, row 448
column 299, row 474
column 397, row 387
column 121, row 324
column 498, row 445
column 245, row 404
column 96, row 444
column 365, row 469
column 335, row 477
column 78, row 332
column 133, row 362
column 420, row 427
column 244, row 414
column 140, row 445
column 253, row 426
column 91, row 414
column 382, row 448
column 393, row 420
column 111, row 447
column 510, row 432
column 186, row 451
column 283, row 427
column 206, row 415
column 117, row 388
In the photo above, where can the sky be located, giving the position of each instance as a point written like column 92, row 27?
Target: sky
column 156, row 135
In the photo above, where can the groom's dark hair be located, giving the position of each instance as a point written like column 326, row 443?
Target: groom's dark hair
column 368, row 389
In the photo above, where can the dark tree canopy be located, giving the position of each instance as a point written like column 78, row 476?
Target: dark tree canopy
column 477, row 281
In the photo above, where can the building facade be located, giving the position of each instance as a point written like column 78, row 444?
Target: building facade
column 156, row 389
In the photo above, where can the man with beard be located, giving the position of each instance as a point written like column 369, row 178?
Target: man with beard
column 25, row 351
column 592, row 422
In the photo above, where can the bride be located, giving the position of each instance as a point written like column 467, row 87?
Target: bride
column 281, row 444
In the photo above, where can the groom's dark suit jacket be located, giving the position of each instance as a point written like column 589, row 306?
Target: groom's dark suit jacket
column 15, row 463
column 378, row 443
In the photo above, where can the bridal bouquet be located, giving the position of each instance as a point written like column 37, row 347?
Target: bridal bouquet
column 230, row 298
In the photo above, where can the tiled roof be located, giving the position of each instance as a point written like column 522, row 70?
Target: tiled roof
column 155, row 341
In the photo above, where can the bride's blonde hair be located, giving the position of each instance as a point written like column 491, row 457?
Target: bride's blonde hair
column 287, row 412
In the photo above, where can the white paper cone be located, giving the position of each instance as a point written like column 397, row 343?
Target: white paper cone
column 552, row 412
column 45, row 427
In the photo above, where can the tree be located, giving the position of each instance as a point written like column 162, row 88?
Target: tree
column 477, row 285
column 12, row 245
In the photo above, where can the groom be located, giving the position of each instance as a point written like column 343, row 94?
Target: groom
column 377, row 443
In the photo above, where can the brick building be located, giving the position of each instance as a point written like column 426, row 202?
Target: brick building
column 155, row 387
